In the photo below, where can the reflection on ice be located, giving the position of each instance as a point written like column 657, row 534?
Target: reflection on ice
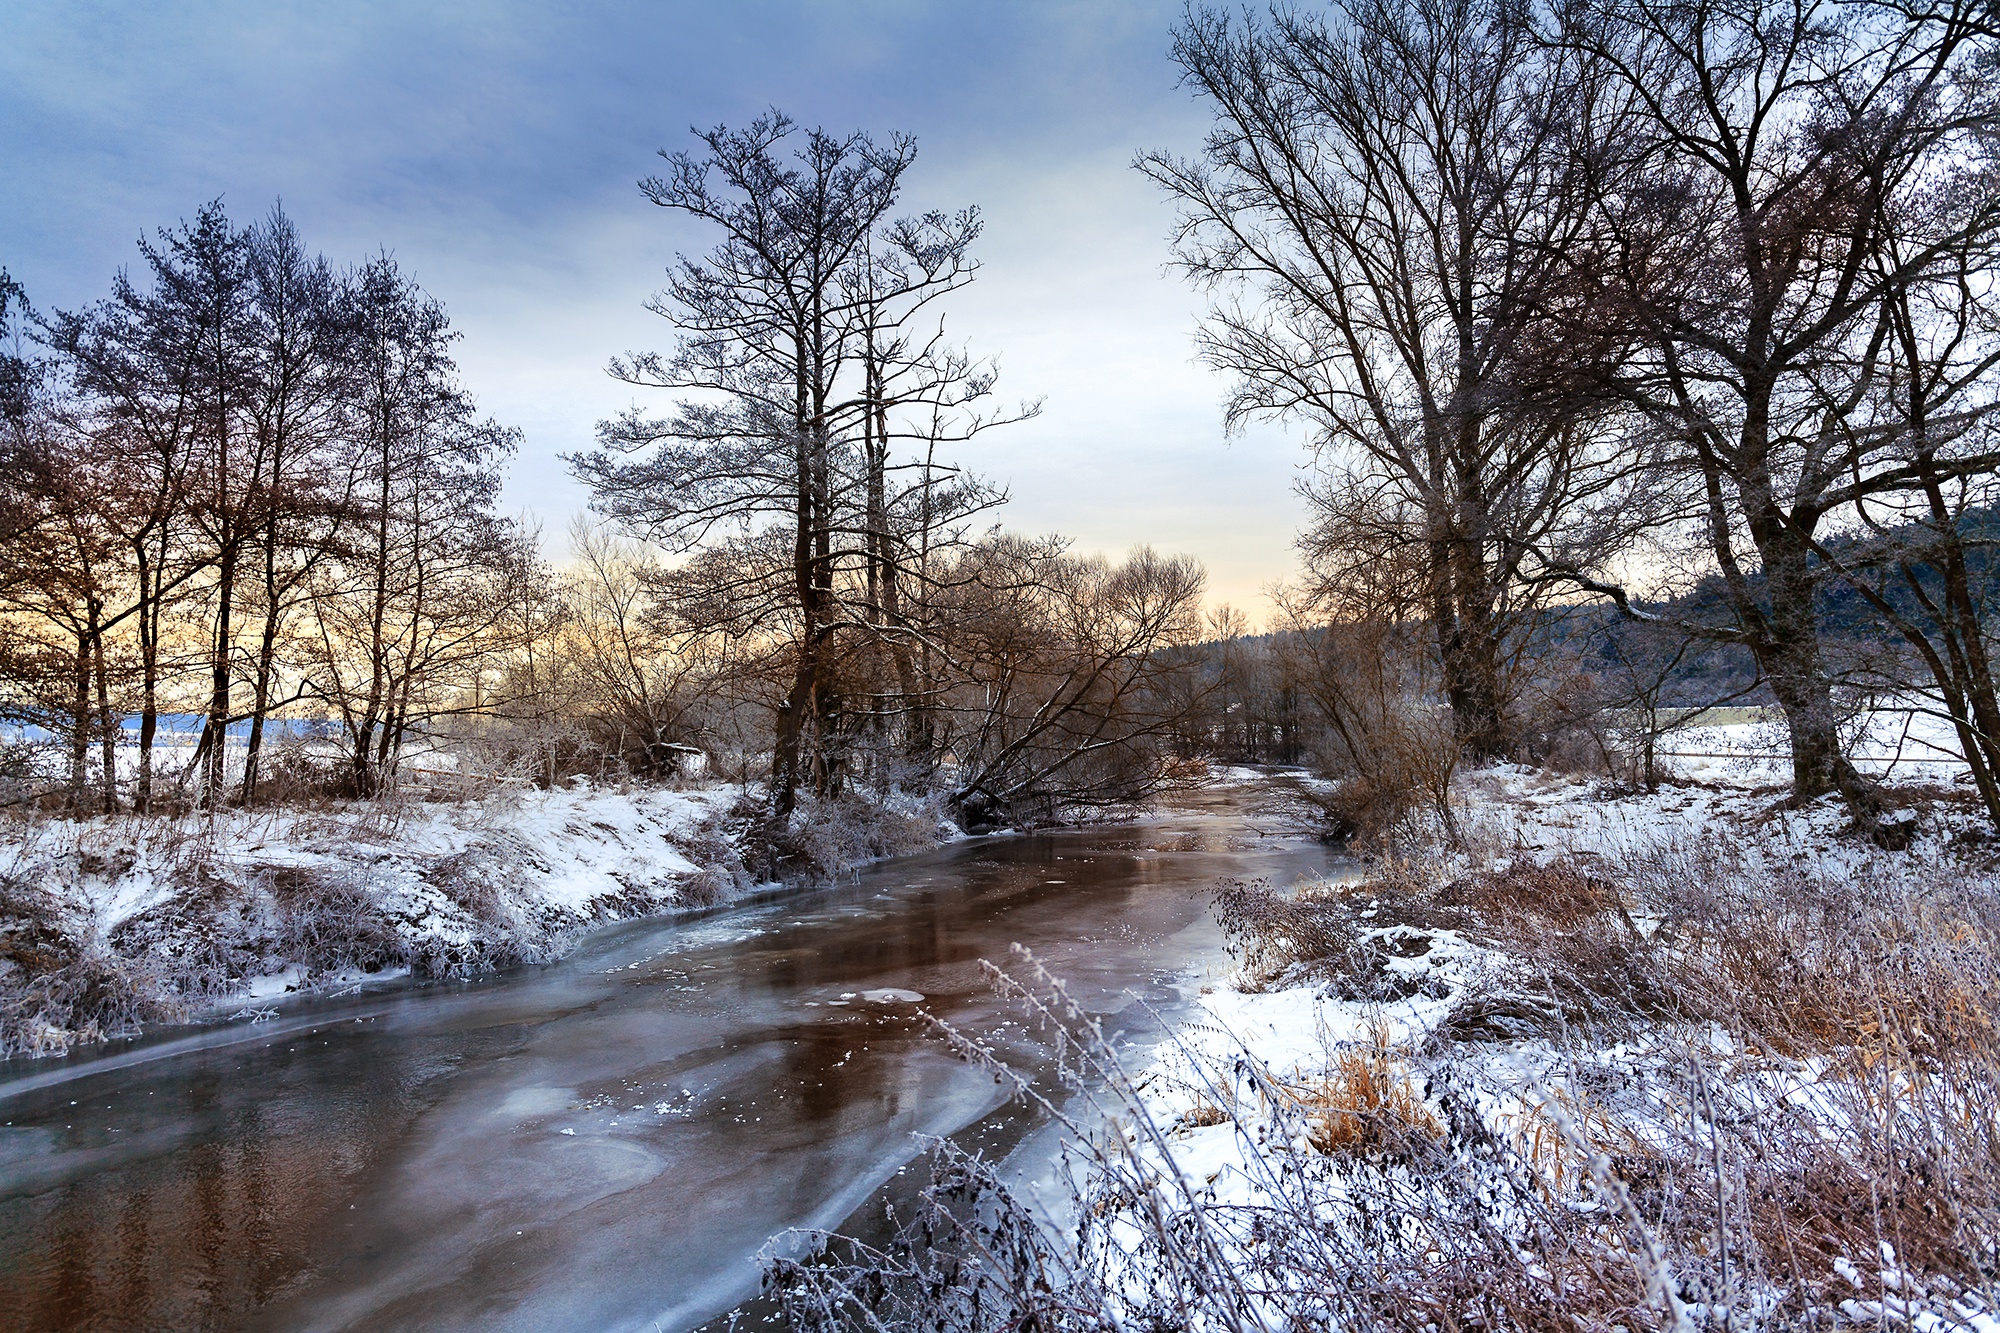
column 598, row 1144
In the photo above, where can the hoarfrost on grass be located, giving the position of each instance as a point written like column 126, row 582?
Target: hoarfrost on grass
column 1682, row 1060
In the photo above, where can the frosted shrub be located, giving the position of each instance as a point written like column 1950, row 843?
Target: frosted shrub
column 826, row 838
column 1698, row 1086
column 57, row 991
column 329, row 924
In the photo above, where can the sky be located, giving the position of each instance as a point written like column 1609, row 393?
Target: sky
column 494, row 149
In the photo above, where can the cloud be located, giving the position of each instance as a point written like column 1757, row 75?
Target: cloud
column 494, row 147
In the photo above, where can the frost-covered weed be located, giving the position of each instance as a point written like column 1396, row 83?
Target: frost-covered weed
column 825, row 838
column 329, row 924
column 88, row 997
column 57, row 987
column 1693, row 1082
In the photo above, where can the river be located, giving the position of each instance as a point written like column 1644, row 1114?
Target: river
column 604, row 1143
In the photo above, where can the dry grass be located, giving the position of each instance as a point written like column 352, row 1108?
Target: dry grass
column 56, row 990
column 1855, row 1102
column 1205, row 1113
column 1366, row 1105
column 1562, row 894
column 329, row 923
column 1272, row 935
column 1766, row 1096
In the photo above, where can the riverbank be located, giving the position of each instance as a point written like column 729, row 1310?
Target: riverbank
column 604, row 1143
column 115, row 923
column 1677, row 1059
column 1589, row 1056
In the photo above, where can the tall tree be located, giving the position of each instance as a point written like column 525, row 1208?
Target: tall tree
column 62, row 571
column 411, row 610
column 154, row 367
column 201, row 272
column 1380, row 215
column 21, row 375
column 301, row 387
column 792, row 338
column 1764, row 157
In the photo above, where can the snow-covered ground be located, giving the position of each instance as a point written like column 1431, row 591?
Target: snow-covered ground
column 1433, row 1128
column 557, row 852
column 111, row 923
column 1897, row 743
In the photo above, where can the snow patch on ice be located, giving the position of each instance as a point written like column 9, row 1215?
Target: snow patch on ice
column 892, row 995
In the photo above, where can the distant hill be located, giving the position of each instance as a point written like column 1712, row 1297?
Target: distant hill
column 1859, row 643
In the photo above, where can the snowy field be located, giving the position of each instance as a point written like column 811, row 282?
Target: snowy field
column 1892, row 744
column 1680, row 1060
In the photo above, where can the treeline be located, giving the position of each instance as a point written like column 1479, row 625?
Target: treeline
column 1682, row 311
column 247, row 484
column 248, row 487
column 1613, row 302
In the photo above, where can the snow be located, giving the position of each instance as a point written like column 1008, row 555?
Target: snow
column 1902, row 740
column 520, row 874
column 892, row 995
column 575, row 846
column 1200, row 1085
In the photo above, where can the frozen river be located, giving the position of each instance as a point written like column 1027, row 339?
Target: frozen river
column 603, row 1143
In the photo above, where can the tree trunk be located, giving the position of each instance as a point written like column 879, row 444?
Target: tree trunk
column 149, row 678
column 107, row 724
column 1788, row 653
column 364, row 776
column 799, row 703
column 79, row 734
column 215, row 737
column 267, row 650
column 1472, row 684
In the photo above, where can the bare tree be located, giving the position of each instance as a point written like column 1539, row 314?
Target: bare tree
column 630, row 677
column 1380, row 184
column 135, row 363
column 249, row 468
column 1644, row 670
column 413, row 607
column 202, row 294
column 1777, row 177
column 796, row 340
column 1065, row 693
column 63, row 572
column 300, row 380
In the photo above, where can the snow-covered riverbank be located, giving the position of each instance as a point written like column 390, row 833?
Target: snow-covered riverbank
column 112, row 923
column 1677, row 1060
column 1684, row 1059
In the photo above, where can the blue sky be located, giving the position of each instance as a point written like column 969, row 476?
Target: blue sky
column 494, row 147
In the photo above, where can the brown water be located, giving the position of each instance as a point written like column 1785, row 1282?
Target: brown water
column 603, row 1143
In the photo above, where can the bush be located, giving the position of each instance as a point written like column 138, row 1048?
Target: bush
column 828, row 838
column 328, row 924
column 200, row 944
column 1272, row 937
column 1388, row 739
column 88, row 998
column 55, row 992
